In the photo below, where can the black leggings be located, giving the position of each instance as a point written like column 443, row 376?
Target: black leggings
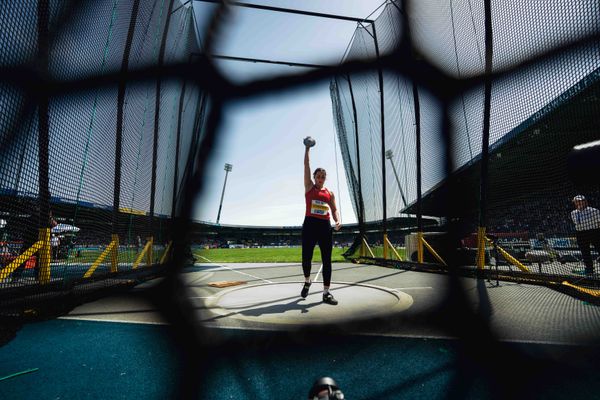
column 316, row 230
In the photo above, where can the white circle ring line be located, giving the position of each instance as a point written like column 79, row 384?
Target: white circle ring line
column 402, row 302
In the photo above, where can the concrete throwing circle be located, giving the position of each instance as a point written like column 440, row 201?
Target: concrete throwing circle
column 280, row 303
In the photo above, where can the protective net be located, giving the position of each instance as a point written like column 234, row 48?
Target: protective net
column 457, row 161
column 502, row 188
column 90, row 173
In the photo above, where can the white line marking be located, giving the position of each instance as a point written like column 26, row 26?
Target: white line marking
column 414, row 287
column 239, row 272
column 318, row 272
column 119, row 321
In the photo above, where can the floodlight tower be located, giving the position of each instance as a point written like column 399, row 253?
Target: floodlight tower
column 390, row 156
column 228, row 168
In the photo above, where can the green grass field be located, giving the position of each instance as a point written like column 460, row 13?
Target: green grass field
column 249, row 255
column 279, row 254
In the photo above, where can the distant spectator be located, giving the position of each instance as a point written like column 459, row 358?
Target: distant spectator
column 54, row 243
column 587, row 226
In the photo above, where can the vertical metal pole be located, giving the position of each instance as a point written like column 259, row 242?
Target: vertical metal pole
column 489, row 52
column 407, row 45
column 343, row 140
column 419, row 196
column 419, row 209
column 361, row 204
column 161, row 57
column 114, row 259
column 114, row 253
column 383, row 173
column 227, row 169
column 120, row 106
column 43, row 145
column 43, row 118
column 175, row 222
column 196, row 134
column 177, row 145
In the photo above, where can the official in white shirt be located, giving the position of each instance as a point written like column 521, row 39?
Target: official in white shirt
column 587, row 227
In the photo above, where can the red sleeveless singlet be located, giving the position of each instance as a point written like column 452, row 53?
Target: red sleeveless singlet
column 317, row 203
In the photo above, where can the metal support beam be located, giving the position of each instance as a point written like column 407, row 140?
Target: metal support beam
column 361, row 204
column 291, row 11
column 382, row 121
column 43, row 56
column 258, row 60
column 483, row 189
column 161, row 57
column 121, row 117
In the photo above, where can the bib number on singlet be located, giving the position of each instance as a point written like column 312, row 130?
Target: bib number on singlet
column 318, row 207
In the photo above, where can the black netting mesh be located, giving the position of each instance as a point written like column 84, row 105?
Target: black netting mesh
column 108, row 113
column 538, row 113
column 153, row 121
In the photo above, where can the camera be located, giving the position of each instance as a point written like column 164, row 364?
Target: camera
column 325, row 389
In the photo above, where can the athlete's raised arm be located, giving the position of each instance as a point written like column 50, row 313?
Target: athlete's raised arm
column 308, row 183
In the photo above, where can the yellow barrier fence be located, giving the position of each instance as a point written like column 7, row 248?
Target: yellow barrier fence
column 42, row 247
column 481, row 247
column 386, row 244
column 166, row 253
column 147, row 251
column 431, row 250
column 591, row 292
column 420, row 247
column 111, row 248
column 364, row 247
column 507, row 256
